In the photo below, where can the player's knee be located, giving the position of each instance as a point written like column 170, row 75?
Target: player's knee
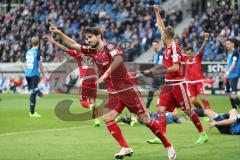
column 193, row 99
column 233, row 96
column 109, row 117
column 106, row 118
column 203, row 98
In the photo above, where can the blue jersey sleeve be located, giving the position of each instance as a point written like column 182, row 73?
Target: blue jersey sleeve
column 39, row 55
column 237, row 119
column 235, row 57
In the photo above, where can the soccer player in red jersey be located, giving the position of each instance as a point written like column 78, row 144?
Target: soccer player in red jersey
column 122, row 92
column 174, row 92
column 194, row 75
column 88, row 78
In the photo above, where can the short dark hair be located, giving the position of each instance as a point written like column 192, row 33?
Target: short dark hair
column 234, row 41
column 230, row 40
column 189, row 48
column 156, row 41
column 92, row 30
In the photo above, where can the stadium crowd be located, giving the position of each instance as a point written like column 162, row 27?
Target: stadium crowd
column 221, row 22
column 129, row 24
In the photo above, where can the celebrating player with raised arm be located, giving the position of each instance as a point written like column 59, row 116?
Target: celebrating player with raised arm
column 122, row 92
column 194, row 75
column 88, row 77
column 174, row 92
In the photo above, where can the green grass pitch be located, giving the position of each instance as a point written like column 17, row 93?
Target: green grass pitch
column 49, row 138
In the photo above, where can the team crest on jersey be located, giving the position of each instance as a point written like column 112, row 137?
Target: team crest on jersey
column 110, row 46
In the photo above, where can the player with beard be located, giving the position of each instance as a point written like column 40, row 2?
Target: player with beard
column 122, row 92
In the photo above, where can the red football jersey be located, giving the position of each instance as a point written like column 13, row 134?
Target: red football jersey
column 119, row 80
column 173, row 55
column 193, row 68
column 85, row 63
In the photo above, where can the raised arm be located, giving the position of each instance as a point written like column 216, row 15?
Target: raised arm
column 67, row 40
column 160, row 23
column 63, row 48
column 206, row 36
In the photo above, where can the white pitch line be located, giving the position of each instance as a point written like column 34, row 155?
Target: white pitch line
column 41, row 131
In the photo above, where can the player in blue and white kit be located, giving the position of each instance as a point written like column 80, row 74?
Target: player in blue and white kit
column 33, row 64
column 157, row 60
column 232, row 72
column 227, row 123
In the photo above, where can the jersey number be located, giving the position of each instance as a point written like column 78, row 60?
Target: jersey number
column 29, row 61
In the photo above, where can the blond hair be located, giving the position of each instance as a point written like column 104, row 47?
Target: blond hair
column 34, row 41
column 169, row 32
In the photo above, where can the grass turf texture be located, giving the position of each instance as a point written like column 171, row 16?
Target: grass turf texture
column 49, row 138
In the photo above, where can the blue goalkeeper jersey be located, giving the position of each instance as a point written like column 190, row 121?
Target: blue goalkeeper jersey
column 32, row 58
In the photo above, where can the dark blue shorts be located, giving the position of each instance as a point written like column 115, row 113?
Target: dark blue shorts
column 231, row 85
column 157, row 81
column 222, row 129
column 32, row 82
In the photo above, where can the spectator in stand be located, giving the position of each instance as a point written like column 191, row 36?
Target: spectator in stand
column 127, row 20
column 221, row 22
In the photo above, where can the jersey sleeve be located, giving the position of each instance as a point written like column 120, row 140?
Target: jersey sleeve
column 161, row 59
column 237, row 119
column 75, row 54
column 39, row 55
column 199, row 55
column 113, row 50
column 235, row 57
column 176, row 54
column 72, row 52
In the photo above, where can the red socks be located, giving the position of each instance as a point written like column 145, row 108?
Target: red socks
column 116, row 133
column 196, row 121
column 162, row 119
column 155, row 128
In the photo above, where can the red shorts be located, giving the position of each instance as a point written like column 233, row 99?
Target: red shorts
column 88, row 88
column 130, row 98
column 172, row 96
column 195, row 89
